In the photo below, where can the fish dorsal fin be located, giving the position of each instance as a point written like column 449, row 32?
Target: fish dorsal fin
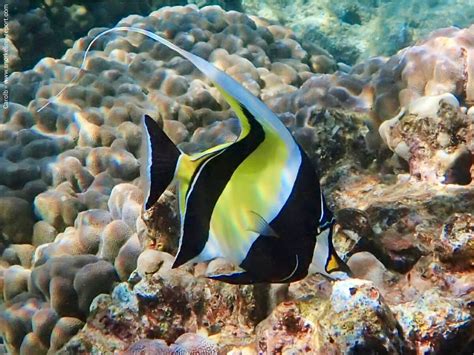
column 259, row 225
column 242, row 113
column 224, row 82
column 161, row 157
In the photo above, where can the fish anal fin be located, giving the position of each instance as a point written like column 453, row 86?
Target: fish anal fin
column 259, row 225
column 236, row 278
column 161, row 158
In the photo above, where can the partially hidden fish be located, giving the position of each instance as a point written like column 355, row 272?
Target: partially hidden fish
column 255, row 202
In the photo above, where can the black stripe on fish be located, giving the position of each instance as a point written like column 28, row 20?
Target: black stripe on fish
column 210, row 183
column 196, row 173
column 162, row 160
column 273, row 259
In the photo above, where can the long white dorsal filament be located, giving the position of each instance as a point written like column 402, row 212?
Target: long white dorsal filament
column 116, row 29
column 258, row 109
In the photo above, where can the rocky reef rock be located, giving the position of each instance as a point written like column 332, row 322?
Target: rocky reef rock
column 456, row 243
column 435, row 138
column 165, row 304
column 354, row 318
column 434, row 323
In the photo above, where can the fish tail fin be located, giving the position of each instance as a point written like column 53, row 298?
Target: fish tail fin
column 161, row 156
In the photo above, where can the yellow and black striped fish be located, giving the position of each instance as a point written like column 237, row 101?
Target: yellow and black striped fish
column 255, row 202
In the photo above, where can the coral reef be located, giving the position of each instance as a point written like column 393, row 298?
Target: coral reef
column 38, row 29
column 346, row 29
column 83, row 269
column 440, row 64
column 435, row 138
column 188, row 343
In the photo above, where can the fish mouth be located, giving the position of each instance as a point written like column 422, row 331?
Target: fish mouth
column 342, row 272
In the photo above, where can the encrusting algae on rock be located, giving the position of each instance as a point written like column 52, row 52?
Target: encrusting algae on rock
column 354, row 318
column 404, row 220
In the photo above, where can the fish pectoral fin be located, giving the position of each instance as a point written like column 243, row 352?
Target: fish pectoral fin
column 236, row 278
column 259, row 225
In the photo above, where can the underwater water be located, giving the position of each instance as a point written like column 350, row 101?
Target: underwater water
column 321, row 201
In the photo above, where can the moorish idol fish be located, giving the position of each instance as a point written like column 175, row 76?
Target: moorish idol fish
column 255, row 202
